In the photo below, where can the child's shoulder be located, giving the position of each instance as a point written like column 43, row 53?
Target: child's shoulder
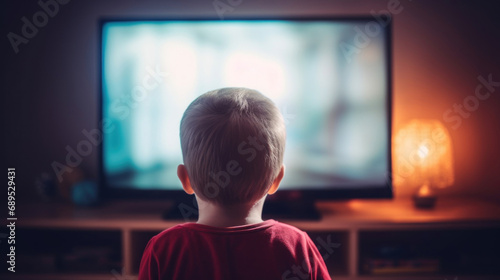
column 289, row 229
column 173, row 238
column 177, row 230
column 268, row 225
column 289, row 234
column 193, row 230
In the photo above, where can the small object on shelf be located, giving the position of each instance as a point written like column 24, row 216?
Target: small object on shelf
column 425, row 197
column 85, row 193
column 68, row 180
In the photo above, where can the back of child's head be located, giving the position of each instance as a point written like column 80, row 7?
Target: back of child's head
column 232, row 140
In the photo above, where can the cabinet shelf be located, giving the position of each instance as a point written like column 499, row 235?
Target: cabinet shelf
column 459, row 237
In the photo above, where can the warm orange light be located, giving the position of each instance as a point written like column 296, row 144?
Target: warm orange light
column 425, row 190
column 423, row 155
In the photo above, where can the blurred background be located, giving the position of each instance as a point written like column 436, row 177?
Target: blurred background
column 441, row 52
column 51, row 86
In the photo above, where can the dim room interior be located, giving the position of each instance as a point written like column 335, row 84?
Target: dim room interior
column 391, row 109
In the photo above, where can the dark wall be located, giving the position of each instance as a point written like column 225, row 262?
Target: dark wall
column 51, row 93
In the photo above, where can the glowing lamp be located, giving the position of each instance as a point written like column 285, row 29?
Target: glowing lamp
column 423, row 159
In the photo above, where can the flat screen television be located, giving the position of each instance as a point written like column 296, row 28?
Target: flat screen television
column 330, row 77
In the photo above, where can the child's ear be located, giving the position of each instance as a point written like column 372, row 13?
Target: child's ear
column 276, row 183
column 183, row 176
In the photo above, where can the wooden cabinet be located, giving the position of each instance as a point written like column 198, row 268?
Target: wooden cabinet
column 368, row 239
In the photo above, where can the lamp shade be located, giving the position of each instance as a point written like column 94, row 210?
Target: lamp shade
column 423, row 155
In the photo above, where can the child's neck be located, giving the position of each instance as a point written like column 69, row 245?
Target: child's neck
column 227, row 216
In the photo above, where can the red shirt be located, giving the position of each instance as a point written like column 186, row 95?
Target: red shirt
column 267, row 250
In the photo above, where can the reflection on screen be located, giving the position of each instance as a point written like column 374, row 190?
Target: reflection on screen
column 335, row 108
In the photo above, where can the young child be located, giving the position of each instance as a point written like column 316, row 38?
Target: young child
column 232, row 140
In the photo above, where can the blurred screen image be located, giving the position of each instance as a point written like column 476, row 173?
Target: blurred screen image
column 333, row 97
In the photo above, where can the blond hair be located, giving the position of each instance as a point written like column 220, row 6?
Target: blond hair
column 232, row 141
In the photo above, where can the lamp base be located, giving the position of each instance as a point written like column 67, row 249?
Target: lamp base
column 424, row 202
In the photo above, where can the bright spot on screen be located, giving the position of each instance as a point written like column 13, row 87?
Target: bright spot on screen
column 255, row 71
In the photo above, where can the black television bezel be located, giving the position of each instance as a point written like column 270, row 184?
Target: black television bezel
column 375, row 192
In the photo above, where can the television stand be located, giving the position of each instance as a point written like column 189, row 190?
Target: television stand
column 107, row 241
column 173, row 213
column 286, row 210
column 282, row 210
column 182, row 209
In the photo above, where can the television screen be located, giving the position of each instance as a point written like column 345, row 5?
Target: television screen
column 329, row 78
